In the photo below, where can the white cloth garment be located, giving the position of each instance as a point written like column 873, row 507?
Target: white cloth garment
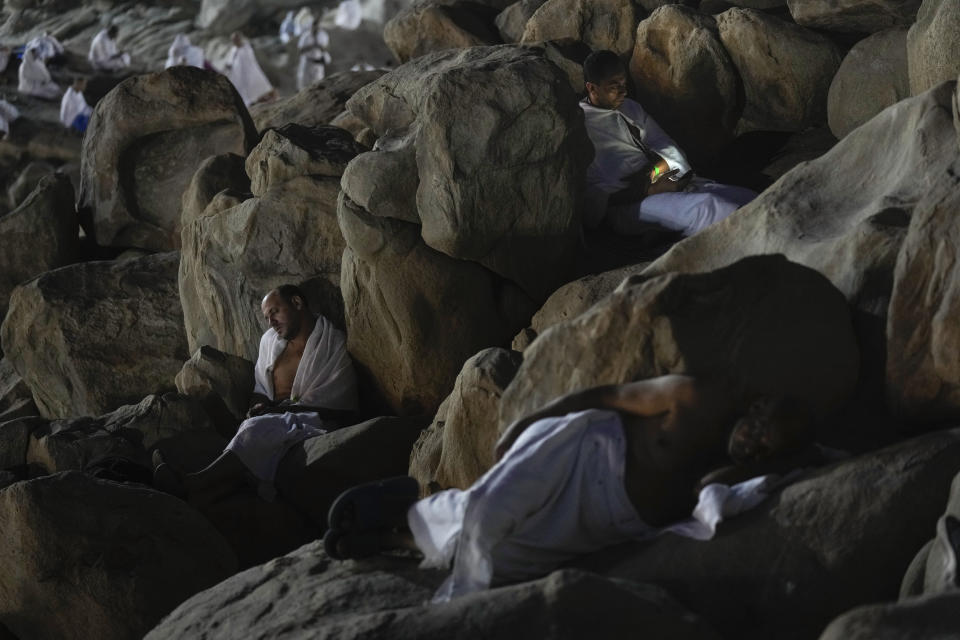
column 182, row 52
column 46, row 45
column 72, row 105
column 246, row 75
column 8, row 113
column 302, row 21
column 557, row 492
column 324, row 378
column 287, row 28
column 313, row 58
column 34, row 79
column 104, row 54
column 617, row 156
column 349, row 15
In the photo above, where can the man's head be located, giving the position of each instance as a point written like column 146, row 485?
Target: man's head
column 606, row 79
column 80, row 84
column 286, row 311
column 771, row 427
column 237, row 38
column 112, row 32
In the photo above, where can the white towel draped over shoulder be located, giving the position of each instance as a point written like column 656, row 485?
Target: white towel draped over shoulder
column 325, row 377
column 246, row 75
column 72, row 105
column 557, row 493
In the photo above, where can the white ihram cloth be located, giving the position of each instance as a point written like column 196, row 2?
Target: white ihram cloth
column 104, row 54
column 34, row 79
column 324, row 378
column 617, row 156
column 72, row 105
column 313, row 57
column 287, row 28
column 46, row 45
column 182, row 52
column 246, row 75
column 349, row 15
column 557, row 492
column 8, row 113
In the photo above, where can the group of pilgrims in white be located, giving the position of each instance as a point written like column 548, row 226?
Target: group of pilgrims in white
column 242, row 68
column 577, row 475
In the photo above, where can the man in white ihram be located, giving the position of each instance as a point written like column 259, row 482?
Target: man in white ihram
column 245, row 73
column 305, row 385
column 104, row 54
column 34, row 79
column 639, row 175
column 74, row 111
column 313, row 56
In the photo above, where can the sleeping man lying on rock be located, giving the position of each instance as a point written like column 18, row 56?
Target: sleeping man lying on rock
column 594, row 468
column 639, row 176
column 305, row 385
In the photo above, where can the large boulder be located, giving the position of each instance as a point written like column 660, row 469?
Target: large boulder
column 786, row 70
column 513, row 20
column 223, row 172
column 854, row 16
column 776, row 327
column 927, row 618
column 313, row 473
column 923, row 376
column 223, row 382
column 385, row 597
column 145, row 141
column 317, row 104
column 600, row 24
column 40, row 235
column 91, row 336
column 509, row 203
column 686, row 80
column 933, row 45
column 872, row 76
column 846, row 214
column 27, row 181
column 426, row 26
column 457, row 448
column 837, row 538
column 414, row 315
column 87, row 558
column 288, row 234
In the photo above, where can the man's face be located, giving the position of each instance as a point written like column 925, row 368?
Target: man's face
column 282, row 316
column 609, row 93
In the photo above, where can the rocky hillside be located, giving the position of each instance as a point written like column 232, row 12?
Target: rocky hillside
column 432, row 209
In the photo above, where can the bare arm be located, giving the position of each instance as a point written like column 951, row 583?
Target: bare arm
column 643, row 398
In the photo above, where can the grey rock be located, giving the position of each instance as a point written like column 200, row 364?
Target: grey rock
column 857, row 16
column 27, row 181
column 600, row 24
column 427, row 26
column 933, row 45
column 927, row 618
column 214, row 175
column 212, row 375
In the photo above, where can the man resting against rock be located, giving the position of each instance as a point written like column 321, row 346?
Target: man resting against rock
column 591, row 469
column 305, row 385
column 639, row 175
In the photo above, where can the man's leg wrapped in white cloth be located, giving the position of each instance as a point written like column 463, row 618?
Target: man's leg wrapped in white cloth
column 262, row 441
column 702, row 204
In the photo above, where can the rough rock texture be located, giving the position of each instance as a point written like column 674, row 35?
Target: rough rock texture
column 600, row 24
column 859, row 16
column 294, row 150
column 457, row 448
column 233, row 256
column 786, row 70
column 871, row 77
column 923, row 375
column 308, row 594
column 91, row 336
column 414, row 315
column 146, row 139
column 510, row 202
column 572, row 299
column 225, row 16
column 86, row 558
column 927, row 618
column 427, row 26
column 219, row 379
column 833, row 214
column 318, row 104
column 40, row 235
column 934, row 569
column 839, row 538
column 513, row 20
column 777, row 327
column 933, row 45
column 312, row 474
column 215, row 174
column 27, row 181
column 15, row 398
column 14, row 439
column 686, row 80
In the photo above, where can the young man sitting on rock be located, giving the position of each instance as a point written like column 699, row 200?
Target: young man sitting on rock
column 639, row 175
column 305, row 386
column 591, row 469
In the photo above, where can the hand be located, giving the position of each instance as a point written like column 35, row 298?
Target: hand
column 258, row 409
